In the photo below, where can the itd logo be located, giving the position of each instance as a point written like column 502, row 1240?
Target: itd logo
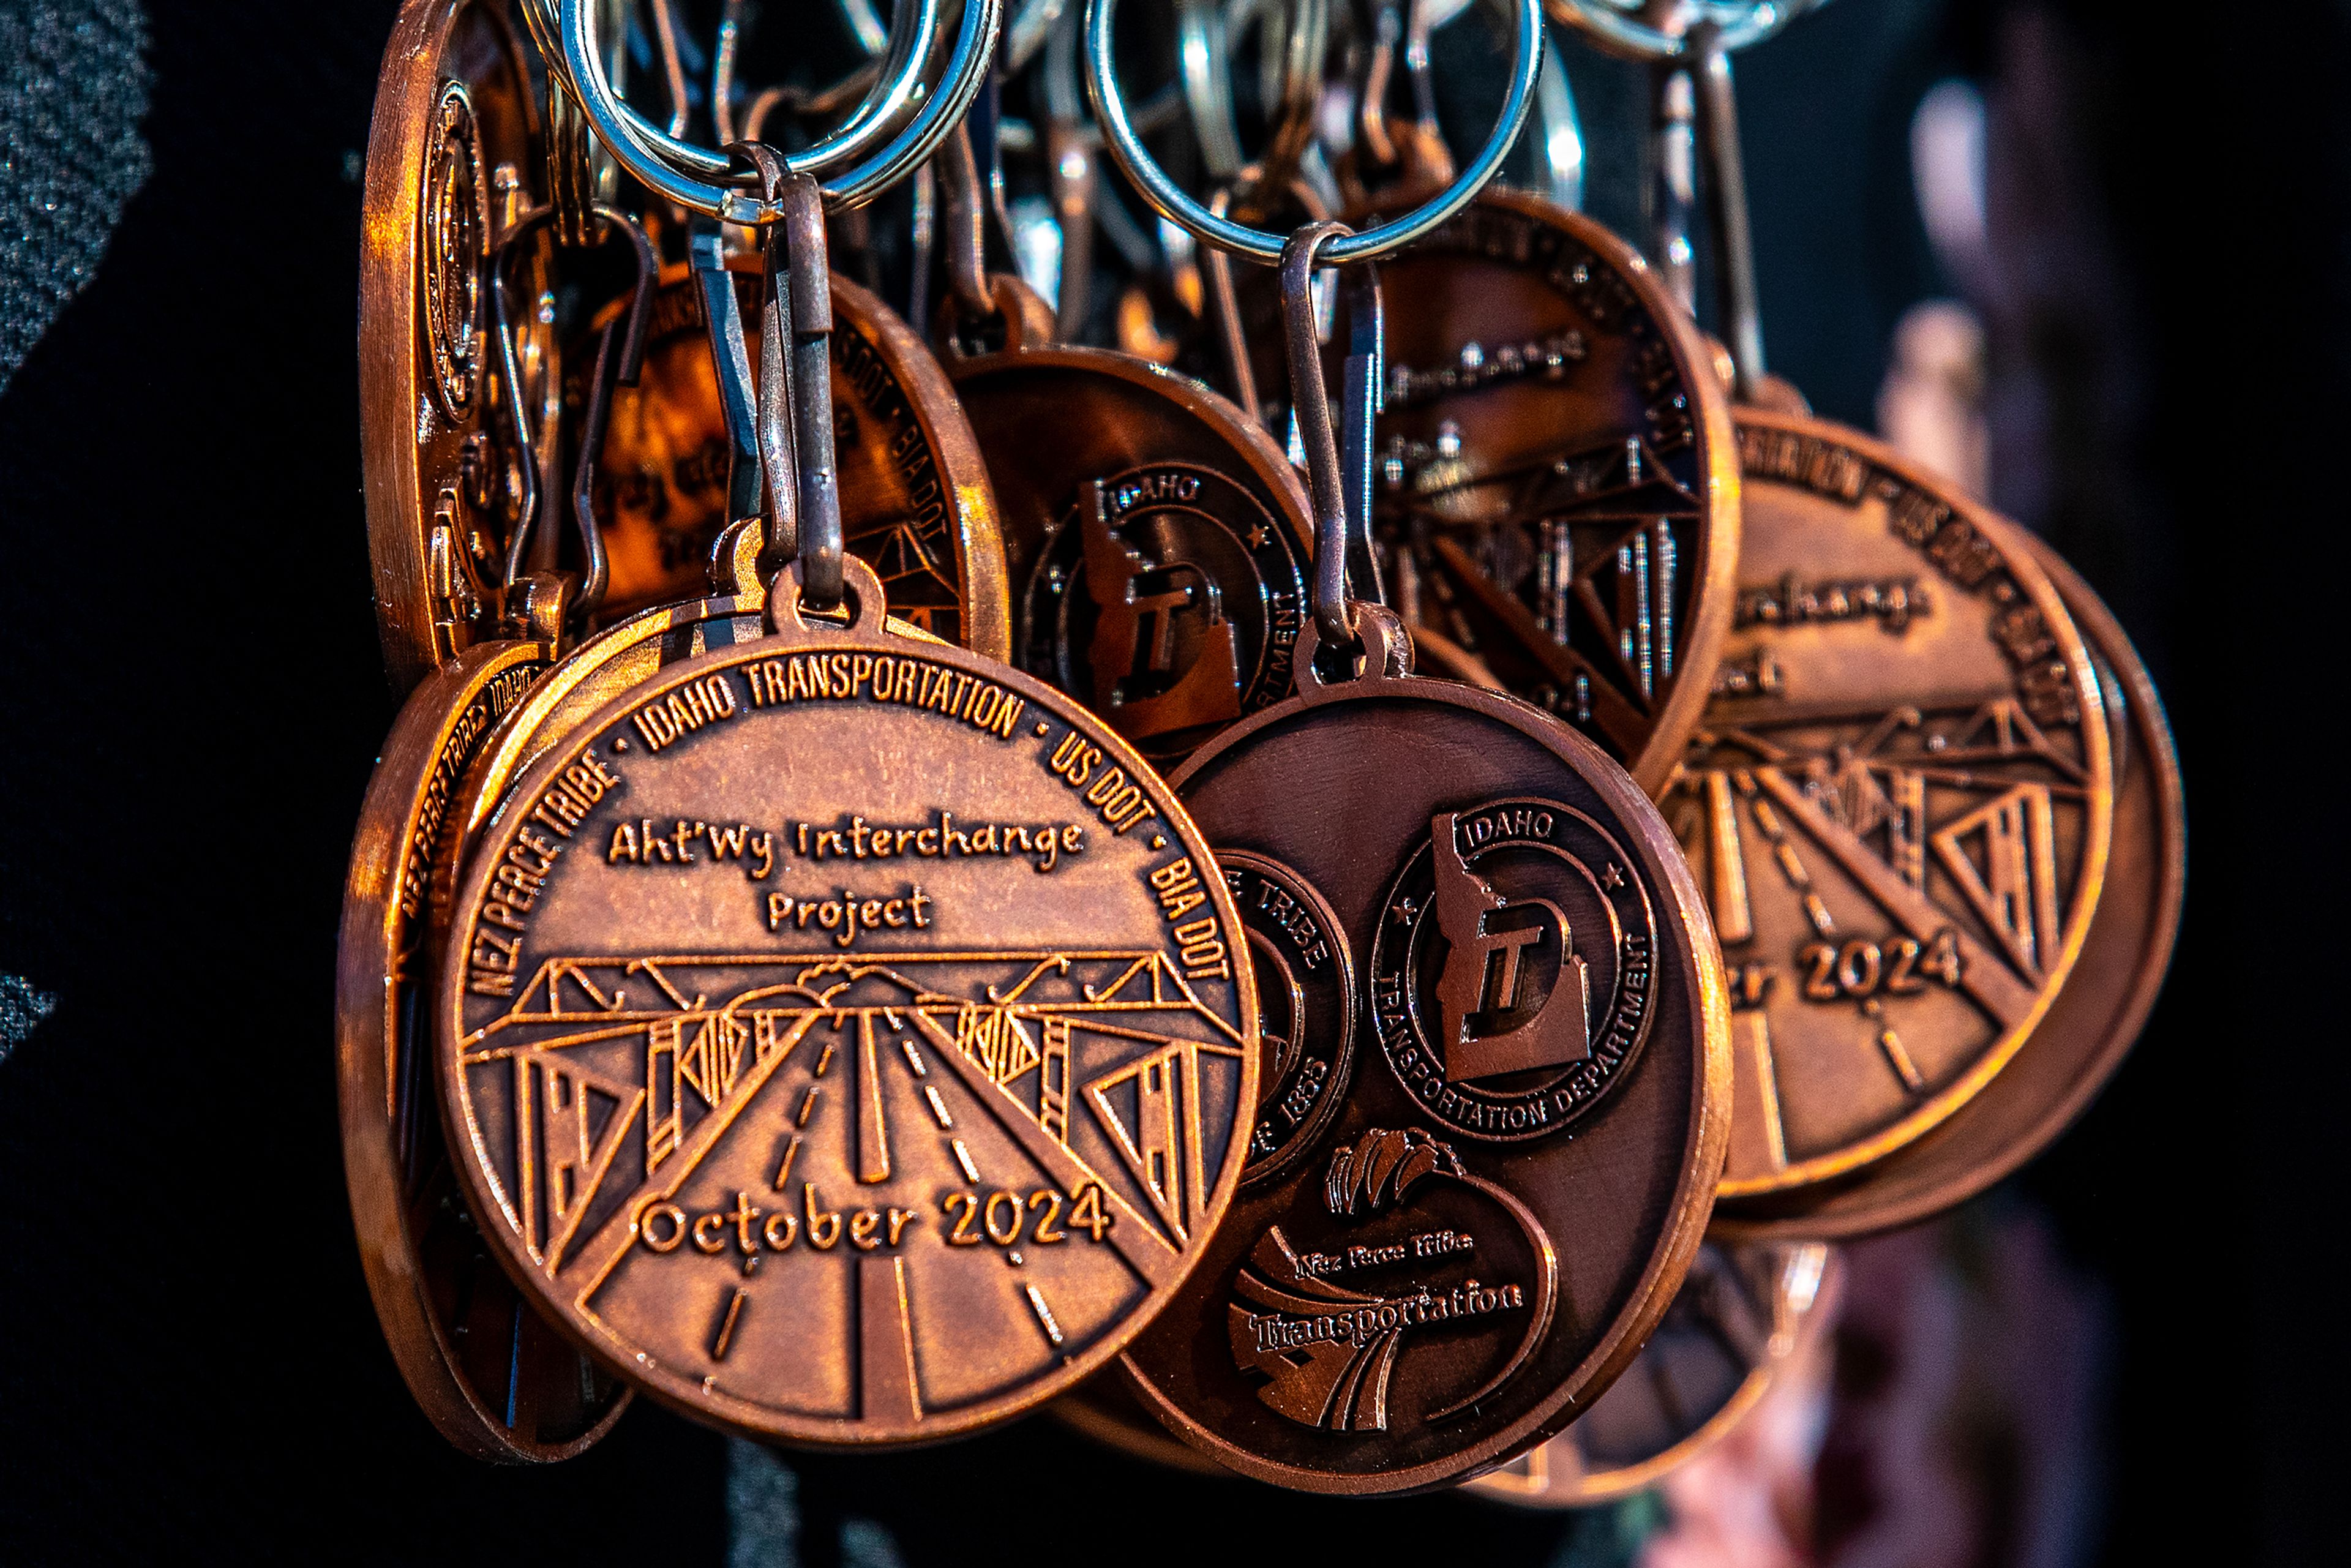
column 1513, row 994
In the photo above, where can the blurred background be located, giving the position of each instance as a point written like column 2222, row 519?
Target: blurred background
column 2094, row 260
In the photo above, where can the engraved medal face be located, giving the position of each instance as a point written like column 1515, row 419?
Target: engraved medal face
column 1742, row 1313
column 490, row 1372
column 1306, row 1007
column 915, row 503
column 2093, row 1021
column 1557, row 483
column 1157, row 538
column 848, row 1045
column 453, row 114
column 1899, row 805
column 456, row 241
column 609, row 663
column 1429, row 1289
column 1512, row 972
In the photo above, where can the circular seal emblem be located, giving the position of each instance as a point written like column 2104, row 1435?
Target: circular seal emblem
column 456, row 237
column 1306, row 1007
column 1513, row 972
column 1169, row 595
column 845, row 1037
column 1427, row 1289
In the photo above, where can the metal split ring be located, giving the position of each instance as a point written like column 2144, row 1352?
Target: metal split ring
column 1170, row 201
column 690, row 176
column 864, row 130
column 1617, row 25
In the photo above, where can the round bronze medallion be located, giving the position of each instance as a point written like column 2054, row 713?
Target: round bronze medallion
column 851, row 1037
column 1157, row 538
column 2091, row 1023
column 1493, row 1017
column 1742, row 1313
column 1306, row 1000
column 1557, row 485
column 1417, row 1299
column 1900, row 803
column 453, row 114
column 915, row 502
column 485, row 1366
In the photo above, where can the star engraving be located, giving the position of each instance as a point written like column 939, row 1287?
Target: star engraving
column 1610, row 877
column 1404, row 912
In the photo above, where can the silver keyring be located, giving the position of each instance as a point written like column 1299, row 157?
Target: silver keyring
column 1622, row 32
column 852, row 141
column 966, row 71
column 1170, row 201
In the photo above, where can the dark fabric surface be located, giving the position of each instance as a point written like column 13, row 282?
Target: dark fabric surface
column 73, row 90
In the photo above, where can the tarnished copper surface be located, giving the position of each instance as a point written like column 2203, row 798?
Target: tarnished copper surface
column 830, row 1151
column 2093, row 1023
column 453, row 109
column 1900, row 803
column 1558, row 487
column 487, row 1369
column 1511, row 1191
column 1157, row 541
column 1742, row 1311
column 915, row 502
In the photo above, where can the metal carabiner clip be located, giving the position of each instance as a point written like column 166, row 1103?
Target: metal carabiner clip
column 611, row 369
column 1338, row 459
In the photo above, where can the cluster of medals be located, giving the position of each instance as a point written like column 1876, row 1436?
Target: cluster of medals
column 1368, row 936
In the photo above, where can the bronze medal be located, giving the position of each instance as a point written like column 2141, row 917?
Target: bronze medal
column 914, row 497
column 1436, row 1283
column 2093, row 1021
column 1900, row 803
column 453, row 117
column 1157, row 541
column 826, row 1150
column 487, row 1369
column 1742, row 1311
column 1558, row 486
column 1424, row 1285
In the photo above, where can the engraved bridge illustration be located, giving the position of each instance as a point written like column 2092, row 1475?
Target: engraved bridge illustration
column 1104, row 1068
column 1920, row 850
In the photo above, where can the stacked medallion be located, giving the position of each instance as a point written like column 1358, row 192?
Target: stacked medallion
column 1515, row 991
column 1620, row 831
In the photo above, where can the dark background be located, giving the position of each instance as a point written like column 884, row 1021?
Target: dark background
column 193, row 697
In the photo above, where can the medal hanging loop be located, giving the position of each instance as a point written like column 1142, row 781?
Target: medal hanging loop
column 972, row 299
column 579, row 174
column 795, row 391
column 1697, row 118
column 1338, row 463
column 620, row 368
column 1741, row 318
column 738, row 407
column 984, row 312
column 1645, row 30
column 620, row 359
